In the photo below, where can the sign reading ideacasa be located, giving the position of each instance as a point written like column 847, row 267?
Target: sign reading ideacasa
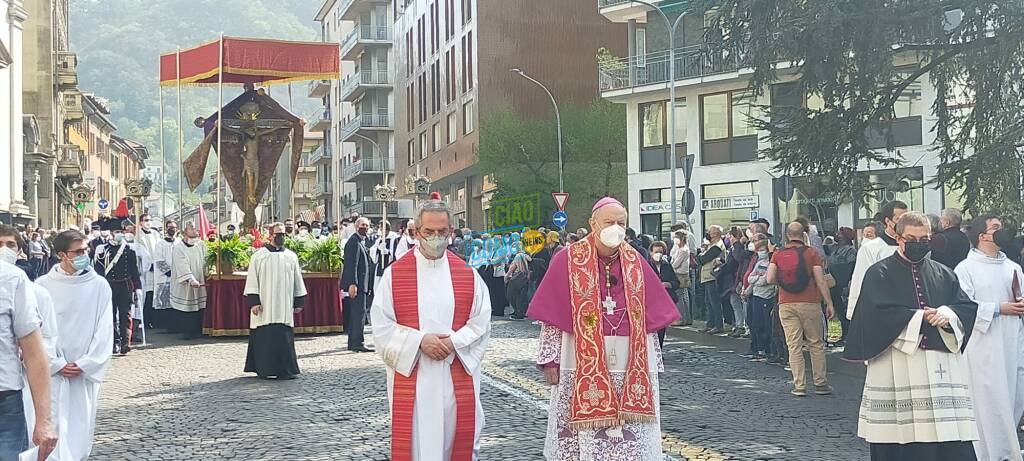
column 728, row 203
column 514, row 213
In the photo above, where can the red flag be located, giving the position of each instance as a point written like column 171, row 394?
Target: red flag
column 122, row 209
column 257, row 241
column 205, row 228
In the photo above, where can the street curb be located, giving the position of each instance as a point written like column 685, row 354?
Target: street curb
column 834, row 360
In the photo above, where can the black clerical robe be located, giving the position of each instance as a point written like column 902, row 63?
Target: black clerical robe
column 916, row 403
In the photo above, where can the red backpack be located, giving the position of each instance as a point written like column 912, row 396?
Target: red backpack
column 793, row 275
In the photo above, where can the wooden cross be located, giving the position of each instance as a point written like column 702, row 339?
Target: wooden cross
column 941, row 372
column 609, row 305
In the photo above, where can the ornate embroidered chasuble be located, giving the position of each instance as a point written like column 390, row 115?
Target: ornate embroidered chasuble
column 405, row 293
column 594, row 403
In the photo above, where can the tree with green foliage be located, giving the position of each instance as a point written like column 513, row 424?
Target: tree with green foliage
column 854, row 54
column 522, row 156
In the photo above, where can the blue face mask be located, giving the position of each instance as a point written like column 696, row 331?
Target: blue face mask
column 81, row 262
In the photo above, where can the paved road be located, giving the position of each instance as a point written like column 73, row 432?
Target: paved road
column 188, row 401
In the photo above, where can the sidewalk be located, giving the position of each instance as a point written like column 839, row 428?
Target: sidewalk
column 742, row 346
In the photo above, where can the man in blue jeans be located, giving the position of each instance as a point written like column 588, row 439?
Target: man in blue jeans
column 20, row 328
column 710, row 258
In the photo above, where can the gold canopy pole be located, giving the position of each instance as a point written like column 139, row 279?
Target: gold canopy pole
column 163, row 160
column 220, row 133
column 181, row 139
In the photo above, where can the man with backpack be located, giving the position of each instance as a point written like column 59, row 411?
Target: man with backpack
column 797, row 270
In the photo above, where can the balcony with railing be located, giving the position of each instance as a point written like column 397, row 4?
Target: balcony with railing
column 362, row 36
column 351, row 10
column 321, row 120
column 70, row 164
column 319, row 88
column 653, row 68
column 366, row 166
column 67, row 69
column 356, row 86
column 369, row 206
column 623, row 10
column 322, row 189
column 371, row 122
column 320, row 154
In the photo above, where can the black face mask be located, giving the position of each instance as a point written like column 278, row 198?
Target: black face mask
column 916, row 251
column 289, row 229
column 362, row 231
column 1004, row 238
column 279, row 240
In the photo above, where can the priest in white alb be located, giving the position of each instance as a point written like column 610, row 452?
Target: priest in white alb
column 162, row 257
column 84, row 314
column 188, row 279
column 995, row 355
column 275, row 294
column 431, row 322
column 601, row 305
column 911, row 326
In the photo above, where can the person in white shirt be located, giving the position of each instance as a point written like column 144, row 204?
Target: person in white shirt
column 995, row 355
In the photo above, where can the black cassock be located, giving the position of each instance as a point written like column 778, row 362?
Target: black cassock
column 894, row 290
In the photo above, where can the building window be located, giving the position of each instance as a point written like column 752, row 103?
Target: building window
column 463, row 64
column 641, row 47
column 467, row 10
column 467, row 117
column 727, row 130
column 408, row 53
column 904, row 184
column 449, row 19
column 449, row 60
column 435, row 87
column 410, row 105
column 422, row 36
column 423, row 145
column 469, row 60
column 654, row 148
column 411, row 154
column 435, row 28
column 452, row 127
column 423, row 97
column 437, row 136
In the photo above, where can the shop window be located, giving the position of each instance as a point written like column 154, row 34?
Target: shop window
column 904, row 184
column 736, row 201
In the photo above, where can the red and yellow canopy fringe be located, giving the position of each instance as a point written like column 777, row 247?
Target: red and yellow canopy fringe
column 249, row 60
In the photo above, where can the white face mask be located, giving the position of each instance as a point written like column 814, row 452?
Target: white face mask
column 613, row 236
column 750, row 246
column 656, row 257
column 8, row 255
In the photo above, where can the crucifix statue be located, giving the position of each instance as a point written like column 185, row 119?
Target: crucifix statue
column 256, row 130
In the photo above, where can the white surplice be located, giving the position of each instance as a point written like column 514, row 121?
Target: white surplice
column 870, row 252
column 188, row 263
column 433, row 428
column 276, row 277
column 162, row 256
column 84, row 314
column 915, row 395
column 147, row 242
column 995, row 354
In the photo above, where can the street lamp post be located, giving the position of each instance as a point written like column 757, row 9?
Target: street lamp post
column 671, row 100
column 558, row 123
column 35, row 195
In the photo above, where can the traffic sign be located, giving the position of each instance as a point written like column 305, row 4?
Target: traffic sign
column 753, row 215
column 561, row 198
column 103, row 204
column 560, row 219
column 689, row 202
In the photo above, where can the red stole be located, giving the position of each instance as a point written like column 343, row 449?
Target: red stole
column 594, row 403
column 405, row 293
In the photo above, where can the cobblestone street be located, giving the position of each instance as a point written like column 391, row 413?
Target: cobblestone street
column 178, row 401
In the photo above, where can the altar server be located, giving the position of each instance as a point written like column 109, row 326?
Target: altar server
column 188, row 278
column 275, row 293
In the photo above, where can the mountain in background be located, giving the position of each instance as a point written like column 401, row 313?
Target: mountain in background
column 118, row 43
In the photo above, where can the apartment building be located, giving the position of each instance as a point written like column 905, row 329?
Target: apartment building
column 97, row 157
column 730, row 184
column 359, row 115
column 52, row 102
column 453, row 61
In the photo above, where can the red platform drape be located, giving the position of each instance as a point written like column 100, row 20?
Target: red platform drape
column 226, row 314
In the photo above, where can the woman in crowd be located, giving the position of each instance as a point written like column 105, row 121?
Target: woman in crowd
column 663, row 267
column 762, row 297
column 681, row 266
column 840, row 261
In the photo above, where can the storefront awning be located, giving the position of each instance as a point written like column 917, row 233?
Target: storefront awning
column 248, row 60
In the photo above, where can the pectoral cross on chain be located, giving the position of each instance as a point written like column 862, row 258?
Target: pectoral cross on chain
column 609, row 305
column 941, row 372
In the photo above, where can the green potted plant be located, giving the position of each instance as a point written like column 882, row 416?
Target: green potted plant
column 324, row 256
column 234, row 254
